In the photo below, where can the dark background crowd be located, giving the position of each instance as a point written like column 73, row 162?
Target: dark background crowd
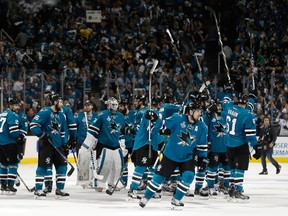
column 50, row 46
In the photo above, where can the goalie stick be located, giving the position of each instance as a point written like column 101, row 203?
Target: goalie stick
column 95, row 174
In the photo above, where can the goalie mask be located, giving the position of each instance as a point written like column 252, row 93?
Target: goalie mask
column 112, row 105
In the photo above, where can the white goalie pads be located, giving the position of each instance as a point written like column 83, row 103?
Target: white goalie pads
column 84, row 160
column 110, row 165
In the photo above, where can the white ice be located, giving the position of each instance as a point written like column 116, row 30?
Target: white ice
column 268, row 196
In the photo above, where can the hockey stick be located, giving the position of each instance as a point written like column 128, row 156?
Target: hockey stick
column 252, row 59
column 28, row 189
column 69, row 173
column 220, row 42
column 95, row 174
column 176, row 49
column 75, row 160
column 155, row 63
column 159, row 155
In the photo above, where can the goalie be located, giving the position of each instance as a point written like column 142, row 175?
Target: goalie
column 104, row 136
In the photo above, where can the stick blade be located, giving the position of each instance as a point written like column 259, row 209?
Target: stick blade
column 70, row 171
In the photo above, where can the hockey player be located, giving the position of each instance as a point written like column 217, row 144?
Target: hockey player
column 50, row 125
column 218, row 151
column 70, row 145
column 145, row 148
column 10, row 137
column 23, row 122
column 186, row 133
column 83, row 120
column 129, row 137
column 240, row 130
column 105, row 136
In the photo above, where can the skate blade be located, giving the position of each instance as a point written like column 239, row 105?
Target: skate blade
column 130, row 199
column 10, row 193
column 62, row 197
column 177, row 208
column 39, row 197
column 3, row 192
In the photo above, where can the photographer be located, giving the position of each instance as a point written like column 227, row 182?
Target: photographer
column 267, row 138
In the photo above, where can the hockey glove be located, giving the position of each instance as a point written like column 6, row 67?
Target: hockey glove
column 258, row 151
column 21, row 139
column 151, row 115
column 66, row 150
column 71, row 144
column 45, row 139
column 211, row 109
column 202, row 163
column 90, row 142
column 165, row 131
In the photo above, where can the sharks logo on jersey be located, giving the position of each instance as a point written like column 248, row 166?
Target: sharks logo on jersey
column 186, row 139
column 55, row 127
column 114, row 127
column 220, row 128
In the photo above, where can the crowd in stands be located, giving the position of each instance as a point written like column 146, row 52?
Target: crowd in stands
column 53, row 48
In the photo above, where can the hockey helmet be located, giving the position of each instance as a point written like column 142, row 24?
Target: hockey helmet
column 192, row 106
column 123, row 101
column 12, row 101
column 53, row 96
column 242, row 98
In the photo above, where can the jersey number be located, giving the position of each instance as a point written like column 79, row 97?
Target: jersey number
column 2, row 123
column 233, row 124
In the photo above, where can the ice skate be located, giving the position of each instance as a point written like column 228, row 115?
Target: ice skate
column 133, row 195
column 60, row 194
column 201, row 193
column 39, row 194
column 176, row 204
column 212, row 192
column 11, row 190
column 143, row 202
column 3, row 188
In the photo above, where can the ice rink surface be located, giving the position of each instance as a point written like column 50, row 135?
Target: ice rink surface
column 268, row 196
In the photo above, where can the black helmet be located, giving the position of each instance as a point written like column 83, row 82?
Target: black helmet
column 201, row 97
column 169, row 98
column 123, row 102
column 12, row 101
column 242, row 98
column 192, row 106
column 141, row 98
column 156, row 100
column 53, row 96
